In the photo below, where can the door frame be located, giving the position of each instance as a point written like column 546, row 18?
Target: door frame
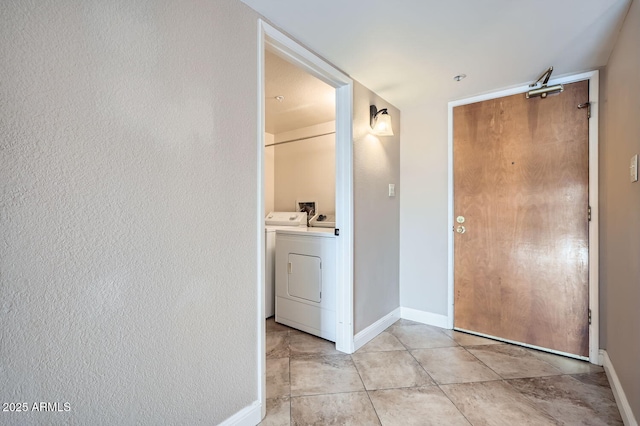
column 275, row 41
column 593, row 77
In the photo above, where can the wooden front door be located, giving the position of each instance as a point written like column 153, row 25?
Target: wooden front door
column 521, row 177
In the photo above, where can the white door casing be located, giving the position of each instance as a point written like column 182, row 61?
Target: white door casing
column 283, row 46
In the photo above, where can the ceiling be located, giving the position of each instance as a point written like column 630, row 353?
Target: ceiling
column 409, row 51
column 307, row 100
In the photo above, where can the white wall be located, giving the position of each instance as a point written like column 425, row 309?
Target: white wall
column 128, row 131
column 620, row 209
column 376, row 164
column 423, row 208
column 269, row 174
column 306, row 168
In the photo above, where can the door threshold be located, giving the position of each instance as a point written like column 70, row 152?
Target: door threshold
column 526, row 345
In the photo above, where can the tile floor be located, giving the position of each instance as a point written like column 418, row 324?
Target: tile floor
column 415, row 374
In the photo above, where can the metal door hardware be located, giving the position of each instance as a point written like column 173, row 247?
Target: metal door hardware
column 586, row 105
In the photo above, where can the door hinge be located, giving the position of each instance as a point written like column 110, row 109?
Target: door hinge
column 589, row 316
column 586, row 105
column 336, row 232
column 589, row 213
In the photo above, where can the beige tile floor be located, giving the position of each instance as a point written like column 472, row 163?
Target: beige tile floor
column 414, row 374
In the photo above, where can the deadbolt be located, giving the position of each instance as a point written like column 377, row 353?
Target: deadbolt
column 460, row 219
column 461, row 229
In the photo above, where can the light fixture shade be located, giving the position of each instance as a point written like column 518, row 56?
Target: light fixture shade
column 382, row 124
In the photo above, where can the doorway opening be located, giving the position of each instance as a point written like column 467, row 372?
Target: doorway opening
column 299, row 182
column 273, row 42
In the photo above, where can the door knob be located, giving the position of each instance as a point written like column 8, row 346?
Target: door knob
column 461, row 229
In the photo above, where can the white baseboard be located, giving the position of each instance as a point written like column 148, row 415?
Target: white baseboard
column 248, row 416
column 424, row 317
column 621, row 399
column 366, row 335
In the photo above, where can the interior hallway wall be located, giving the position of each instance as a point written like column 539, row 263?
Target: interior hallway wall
column 620, row 209
column 306, row 168
column 376, row 215
column 128, row 132
column 424, row 208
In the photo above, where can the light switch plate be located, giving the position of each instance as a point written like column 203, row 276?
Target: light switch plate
column 392, row 190
column 633, row 169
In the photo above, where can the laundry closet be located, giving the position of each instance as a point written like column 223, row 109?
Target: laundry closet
column 300, row 192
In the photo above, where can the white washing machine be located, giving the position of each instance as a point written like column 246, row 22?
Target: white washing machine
column 273, row 222
column 306, row 280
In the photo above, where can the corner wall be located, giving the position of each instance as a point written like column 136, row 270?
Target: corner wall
column 423, row 215
column 376, row 215
column 620, row 209
column 128, row 131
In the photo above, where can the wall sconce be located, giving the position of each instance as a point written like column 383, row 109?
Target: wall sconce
column 380, row 121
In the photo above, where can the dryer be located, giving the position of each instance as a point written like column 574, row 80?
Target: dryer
column 273, row 222
column 306, row 280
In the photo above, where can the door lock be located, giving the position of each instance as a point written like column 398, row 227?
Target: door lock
column 460, row 219
column 461, row 229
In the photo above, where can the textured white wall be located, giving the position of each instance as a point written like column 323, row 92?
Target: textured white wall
column 306, row 168
column 376, row 164
column 423, row 213
column 128, row 133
